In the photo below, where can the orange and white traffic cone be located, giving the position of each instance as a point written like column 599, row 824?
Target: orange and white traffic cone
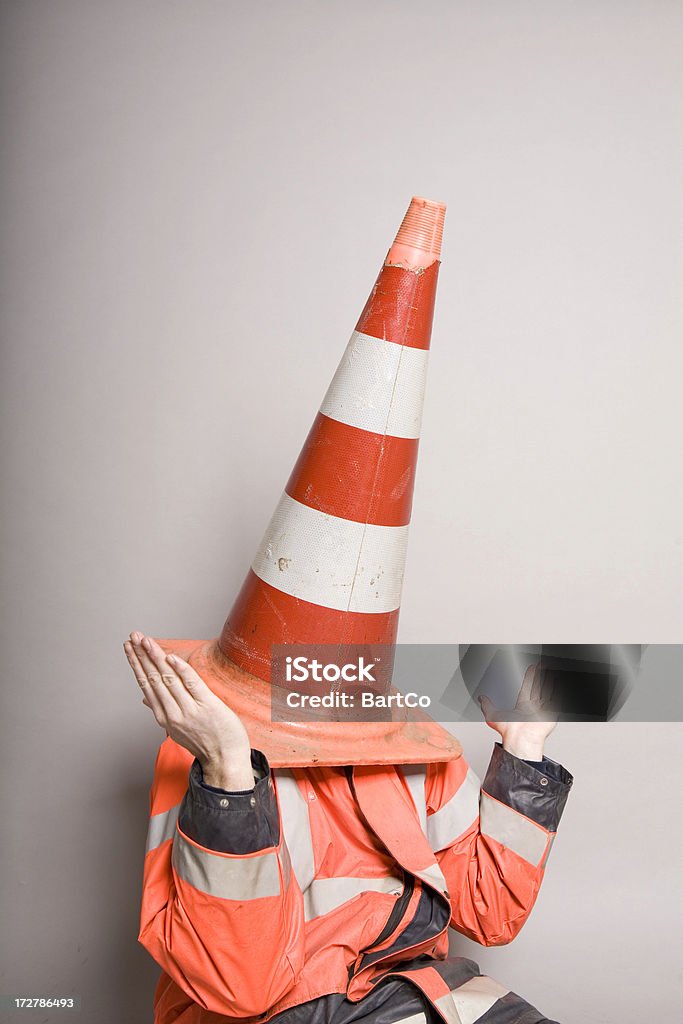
column 330, row 566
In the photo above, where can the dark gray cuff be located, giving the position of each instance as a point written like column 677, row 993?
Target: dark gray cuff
column 538, row 793
column 232, row 822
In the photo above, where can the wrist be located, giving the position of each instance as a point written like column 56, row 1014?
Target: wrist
column 525, row 749
column 232, row 771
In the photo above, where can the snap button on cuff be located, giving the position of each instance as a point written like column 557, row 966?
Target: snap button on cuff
column 252, row 801
column 544, row 781
column 225, row 802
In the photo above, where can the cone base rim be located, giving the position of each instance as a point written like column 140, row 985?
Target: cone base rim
column 311, row 744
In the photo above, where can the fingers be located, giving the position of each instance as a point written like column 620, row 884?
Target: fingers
column 149, row 696
column 145, row 652
column 163, row 672
column 169, row 684
column 527, row 684
column 179, row 676
column 157, row 687
column 192, row 682
column 548, row 688
column 537, row 683
column 157, row 691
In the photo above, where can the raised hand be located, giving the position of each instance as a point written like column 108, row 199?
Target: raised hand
column 192, row 714
column 526, row 727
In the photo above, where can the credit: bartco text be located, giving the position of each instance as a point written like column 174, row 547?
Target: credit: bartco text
column 368, row 699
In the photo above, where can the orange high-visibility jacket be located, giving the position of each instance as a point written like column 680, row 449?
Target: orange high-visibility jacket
column 319, row 882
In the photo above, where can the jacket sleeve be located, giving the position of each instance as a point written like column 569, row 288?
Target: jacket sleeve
column 492, row 840
column 222, row 912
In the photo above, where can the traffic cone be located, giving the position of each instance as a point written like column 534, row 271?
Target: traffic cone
column 330, row 566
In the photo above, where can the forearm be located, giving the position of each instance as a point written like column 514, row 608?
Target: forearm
column 495, row 866
column 235, row 821
column 531, row 794
column 229, row 770
column 222, row 881
column 524, row 747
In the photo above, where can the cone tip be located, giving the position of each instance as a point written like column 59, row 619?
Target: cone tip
column 418, row 241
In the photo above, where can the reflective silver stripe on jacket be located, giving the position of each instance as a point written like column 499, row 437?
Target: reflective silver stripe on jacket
column 229, row 877
column 521, row 835
column 321, row 895
column 433, row 876
column 326, row 894
column 296, row 826
column 161, row 827
column 416, row 775
column 551, row 840
column 471, row 1001
column 456, row 816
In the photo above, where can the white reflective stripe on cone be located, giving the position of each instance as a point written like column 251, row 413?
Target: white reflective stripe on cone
column 327, row 894
column 296, row 826
column 456, row 816
column 472, row 1000
column 379, row 386
column 330, row 561
column 521, row 835
column 161, row 827
column 225, row 876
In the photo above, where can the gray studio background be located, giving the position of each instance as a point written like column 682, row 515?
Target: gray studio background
column 196, row 199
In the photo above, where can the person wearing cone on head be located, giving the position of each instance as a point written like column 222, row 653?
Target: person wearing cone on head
column 309, row 872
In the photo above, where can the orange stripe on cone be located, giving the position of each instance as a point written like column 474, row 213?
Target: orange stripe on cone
column 401, row 306
column 263, row 616
column 355, row 474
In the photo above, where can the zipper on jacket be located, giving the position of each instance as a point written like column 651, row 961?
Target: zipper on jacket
column 399, row 909
column 397, row 913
